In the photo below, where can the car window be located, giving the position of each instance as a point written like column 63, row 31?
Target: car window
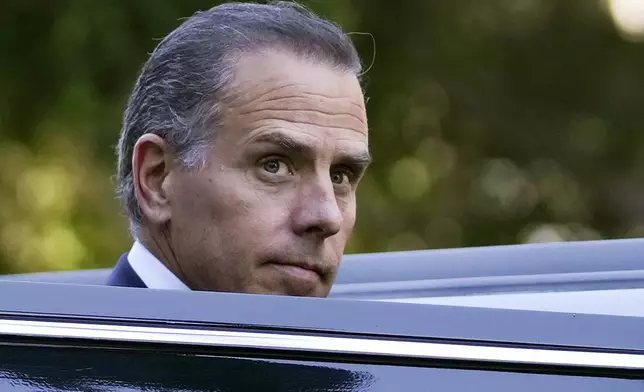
column 57, row 368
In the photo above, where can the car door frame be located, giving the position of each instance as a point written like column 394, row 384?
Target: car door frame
column 314, row 328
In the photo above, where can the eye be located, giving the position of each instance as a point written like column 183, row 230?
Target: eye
column 276, row 166
column 341, row 176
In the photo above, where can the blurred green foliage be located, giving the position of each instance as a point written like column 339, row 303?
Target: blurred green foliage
column 492, row 122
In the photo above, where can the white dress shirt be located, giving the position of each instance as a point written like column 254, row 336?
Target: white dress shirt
column 152, row 272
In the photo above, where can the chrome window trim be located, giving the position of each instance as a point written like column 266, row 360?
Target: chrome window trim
column 322, row 344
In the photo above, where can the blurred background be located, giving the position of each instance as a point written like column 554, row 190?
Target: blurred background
column 492, row 122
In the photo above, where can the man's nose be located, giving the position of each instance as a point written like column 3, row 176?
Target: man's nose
column 316, row 212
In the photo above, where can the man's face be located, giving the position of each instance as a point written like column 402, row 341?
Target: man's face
column 273, row 209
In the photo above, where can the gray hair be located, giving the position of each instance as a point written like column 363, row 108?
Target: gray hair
column 178, row 93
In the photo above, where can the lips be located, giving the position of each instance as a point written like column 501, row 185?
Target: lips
column 299, row 268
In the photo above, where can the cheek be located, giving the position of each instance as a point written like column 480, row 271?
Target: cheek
column 254, row 209
column 348, row 207
column 202, row 206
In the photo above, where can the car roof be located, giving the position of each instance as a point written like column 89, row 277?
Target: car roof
column 566, row 266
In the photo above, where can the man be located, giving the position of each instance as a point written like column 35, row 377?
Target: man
column 243, row 143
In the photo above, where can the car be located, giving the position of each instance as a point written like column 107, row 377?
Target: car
column 592, row 277
column 595, row 277
column 379, row 331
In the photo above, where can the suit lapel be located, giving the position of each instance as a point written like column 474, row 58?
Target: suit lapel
column 124, row 275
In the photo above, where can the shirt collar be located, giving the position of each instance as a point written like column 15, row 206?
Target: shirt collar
column 152, row 272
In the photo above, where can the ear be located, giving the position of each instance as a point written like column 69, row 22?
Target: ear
column 151, row 164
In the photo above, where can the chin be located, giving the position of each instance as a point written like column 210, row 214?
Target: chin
column 293, row 290
column 316, row 294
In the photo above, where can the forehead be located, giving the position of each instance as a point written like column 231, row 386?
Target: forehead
column 282, row 90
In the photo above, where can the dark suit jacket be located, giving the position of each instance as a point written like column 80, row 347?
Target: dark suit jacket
column 124, row 275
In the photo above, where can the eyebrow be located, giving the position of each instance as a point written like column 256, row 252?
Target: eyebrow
column 289, row 143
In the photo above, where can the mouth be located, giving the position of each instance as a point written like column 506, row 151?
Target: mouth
column 299, row 270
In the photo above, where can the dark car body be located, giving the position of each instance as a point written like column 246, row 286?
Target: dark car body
column 68, row 332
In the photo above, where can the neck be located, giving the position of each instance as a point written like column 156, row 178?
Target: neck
column 158, row 242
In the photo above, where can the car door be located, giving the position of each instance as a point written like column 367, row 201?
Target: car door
column 77, row 338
